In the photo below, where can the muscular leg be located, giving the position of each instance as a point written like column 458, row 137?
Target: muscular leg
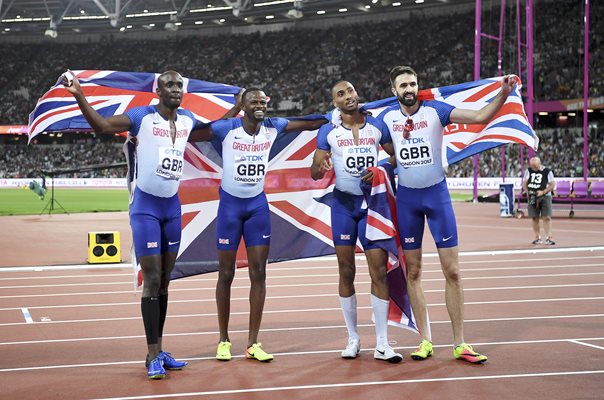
column 449, row 261
column 168, row 261
column 348, row 301
column 416, row 291
column 150, row 308
column 377, row 260
column 257, row 256
column 226, row 272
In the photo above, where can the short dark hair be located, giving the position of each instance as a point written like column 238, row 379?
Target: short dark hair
column 336, row 84
column 250, row 90
column 399, row 70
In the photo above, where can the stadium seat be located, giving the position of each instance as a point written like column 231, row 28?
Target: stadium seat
column 563, row 189
column 580, row 188
column 597, row 189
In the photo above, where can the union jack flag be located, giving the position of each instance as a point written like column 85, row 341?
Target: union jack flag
column 112, row 92
column 460, row 141
column 382, row 228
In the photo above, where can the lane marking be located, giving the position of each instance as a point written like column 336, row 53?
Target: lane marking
column 331, row 268
column 303, row 310
column 272, row 286
column 27, row 315
column 299, row 328
column 331, row 294
column 587, row 344
column 365, row 274
column 359, row 384
column 38, row 268
column 302, row 353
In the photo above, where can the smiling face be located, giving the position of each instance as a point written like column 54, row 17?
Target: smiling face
column 345, row 97
column 254, row 105
column 170, row 89
column 405, row 88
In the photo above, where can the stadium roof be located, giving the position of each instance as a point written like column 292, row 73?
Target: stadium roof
column 105, row 16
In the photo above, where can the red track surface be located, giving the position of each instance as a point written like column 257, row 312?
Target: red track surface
column 538, row 316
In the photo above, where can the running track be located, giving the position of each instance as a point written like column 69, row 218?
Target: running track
column 76, row 333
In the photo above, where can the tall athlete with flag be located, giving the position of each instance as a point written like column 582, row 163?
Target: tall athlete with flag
column 243, row 208
column 161, row 133
column 416, row 128
column 353, row 147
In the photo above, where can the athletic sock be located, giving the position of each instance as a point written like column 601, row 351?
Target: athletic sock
column 380, row 313
column 163, row 310
column 150, row 311
column 349, row 309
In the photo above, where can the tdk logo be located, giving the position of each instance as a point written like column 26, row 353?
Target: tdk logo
column 414, row 140
column 251, row 157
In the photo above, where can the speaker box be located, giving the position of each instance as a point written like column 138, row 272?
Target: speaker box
column 104, row 247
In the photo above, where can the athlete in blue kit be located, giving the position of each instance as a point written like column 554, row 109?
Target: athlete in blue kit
column 243, row 209
column 161, row 132
column 417, row 129
column 349, row 148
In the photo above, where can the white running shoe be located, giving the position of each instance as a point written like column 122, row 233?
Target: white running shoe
column 386, row 353
column 352, row 349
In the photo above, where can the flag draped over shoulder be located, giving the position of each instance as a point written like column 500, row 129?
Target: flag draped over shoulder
column 112, row 93
column 382, row 228
column 460, row 141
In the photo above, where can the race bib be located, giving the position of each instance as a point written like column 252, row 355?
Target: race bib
column 250, row 168
column 415, row 152
column 359, row 158
column 170, row 163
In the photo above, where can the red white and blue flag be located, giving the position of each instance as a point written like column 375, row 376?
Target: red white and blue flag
column 300, row 207
column 113, row 92
column 460, row 141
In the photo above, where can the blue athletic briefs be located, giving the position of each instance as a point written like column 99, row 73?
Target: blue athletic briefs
column 349, row 220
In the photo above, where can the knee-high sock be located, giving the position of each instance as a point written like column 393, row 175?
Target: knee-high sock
column 349, row 309
column 380, row 313
column 163, row 310
column 150, row 311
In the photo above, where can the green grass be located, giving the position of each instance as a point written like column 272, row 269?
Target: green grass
column 25, row 202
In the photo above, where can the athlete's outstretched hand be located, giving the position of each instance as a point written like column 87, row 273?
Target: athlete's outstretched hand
column 71, row 82
column 508, row 83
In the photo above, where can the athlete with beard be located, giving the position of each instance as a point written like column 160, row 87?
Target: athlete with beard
column 353, row 146
column 416, row 128
column 243, row 208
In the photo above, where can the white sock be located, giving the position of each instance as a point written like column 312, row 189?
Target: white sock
column 349, row 309
column 380, row 313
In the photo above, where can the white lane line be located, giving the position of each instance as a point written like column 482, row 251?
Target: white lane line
column 524, row 229
column 303, row 353
column 334, row 282
column 358, row 384
column 314, row 259
column 332, row 267
column 304, row 310
column 270, row 278
column 294, row 296
column 299, row 328
column 586, row 344
column 27, row 315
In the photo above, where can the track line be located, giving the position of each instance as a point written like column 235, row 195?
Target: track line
column 298, row 296
column 299, row 328
column 301, row 310
column 301, row 353
column 587, row 344
column 212, row 288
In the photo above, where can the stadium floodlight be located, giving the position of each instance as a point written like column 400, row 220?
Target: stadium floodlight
column 173, row 24
column 51, row 33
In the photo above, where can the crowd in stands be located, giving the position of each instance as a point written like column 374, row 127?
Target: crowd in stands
column 297, row 68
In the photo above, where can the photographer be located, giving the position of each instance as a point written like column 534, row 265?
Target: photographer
column 539, row 184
